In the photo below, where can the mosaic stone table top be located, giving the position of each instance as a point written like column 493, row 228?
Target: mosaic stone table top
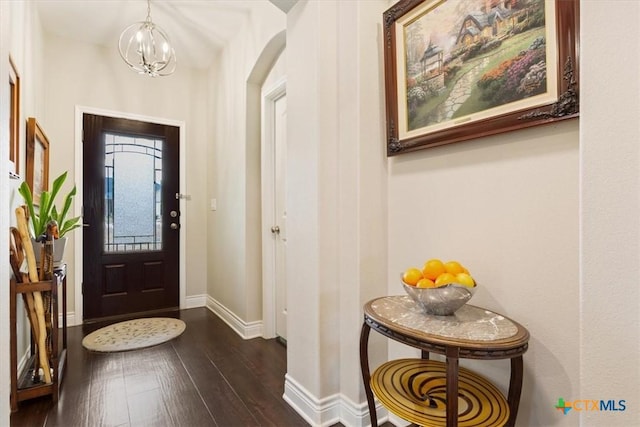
column 469, row 323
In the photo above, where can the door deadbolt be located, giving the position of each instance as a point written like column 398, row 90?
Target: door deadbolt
column 173, row 214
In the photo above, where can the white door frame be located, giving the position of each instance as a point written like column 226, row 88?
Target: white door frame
column 77, row 317
column 269, row 99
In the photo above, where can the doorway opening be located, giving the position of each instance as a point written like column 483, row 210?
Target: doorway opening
column 274, row 211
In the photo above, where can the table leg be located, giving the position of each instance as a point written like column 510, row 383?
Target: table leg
column 452, row 354
column 366, row 374
column 515, row 389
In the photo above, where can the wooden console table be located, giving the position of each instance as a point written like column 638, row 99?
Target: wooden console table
column 471, row 333
column 22, row 386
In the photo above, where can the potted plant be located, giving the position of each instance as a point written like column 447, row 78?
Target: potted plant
column 48, row 211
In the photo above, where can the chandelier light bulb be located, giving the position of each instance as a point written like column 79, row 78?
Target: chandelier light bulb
column 137, row 47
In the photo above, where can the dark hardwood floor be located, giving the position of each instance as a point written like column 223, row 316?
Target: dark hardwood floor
column 208, row 376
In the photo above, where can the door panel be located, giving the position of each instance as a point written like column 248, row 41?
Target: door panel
column 131, row 244
column 280, row 179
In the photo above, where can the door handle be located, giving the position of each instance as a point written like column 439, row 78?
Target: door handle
column 174, row 226
column 275, row 229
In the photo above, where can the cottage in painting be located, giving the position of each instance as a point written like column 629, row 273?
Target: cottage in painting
column 432, row 60
column 490, row 22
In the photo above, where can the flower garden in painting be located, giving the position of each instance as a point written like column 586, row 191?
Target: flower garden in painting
column 467, row 56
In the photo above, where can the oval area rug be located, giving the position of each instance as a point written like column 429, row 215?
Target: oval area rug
column 134, row 334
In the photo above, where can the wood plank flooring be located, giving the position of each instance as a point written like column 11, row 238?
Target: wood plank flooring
column 208, row 376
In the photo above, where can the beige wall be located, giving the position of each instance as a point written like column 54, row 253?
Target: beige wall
column 4, row 213
column 21, row 38
column 509, row 206
column 82, row 74
column 233, row 175
column 541, row 216
column 337, row 213
column 609, row 206
column 506, row 207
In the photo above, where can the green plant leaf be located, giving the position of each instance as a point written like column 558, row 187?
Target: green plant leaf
column 47, row 209
column 57, row 184
column 66, row 205
column 44, row 214
column 69, row 225
column 25, row 192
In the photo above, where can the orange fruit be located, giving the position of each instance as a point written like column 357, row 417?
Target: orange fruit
column 453, row 267
column 465, row 279
column 425, row 283
column 432, row 269
column 445, row 279
column 411, row 276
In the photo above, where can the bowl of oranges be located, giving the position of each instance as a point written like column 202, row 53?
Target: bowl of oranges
column 439, row 288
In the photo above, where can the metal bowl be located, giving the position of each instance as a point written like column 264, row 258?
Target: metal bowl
column 441, row 301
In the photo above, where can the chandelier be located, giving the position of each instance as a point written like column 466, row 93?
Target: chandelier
column 146, row 48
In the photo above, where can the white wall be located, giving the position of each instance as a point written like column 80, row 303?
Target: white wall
column 610, row 202
column 311, row 214
column 21, row 39
column 508, row 206
column 337, row 240
column 233, row 175
column 4, row 214
column 83, row 74
column 541, row 216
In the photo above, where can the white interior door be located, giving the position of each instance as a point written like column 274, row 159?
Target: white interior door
column 280, row 214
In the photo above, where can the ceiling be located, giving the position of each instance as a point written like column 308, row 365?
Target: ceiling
column 198, row 29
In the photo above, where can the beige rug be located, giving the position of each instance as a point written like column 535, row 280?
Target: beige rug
column 134, row 334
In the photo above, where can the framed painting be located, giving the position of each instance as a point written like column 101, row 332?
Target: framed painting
column 14, row 117
column 37, row 159
column 457, row 70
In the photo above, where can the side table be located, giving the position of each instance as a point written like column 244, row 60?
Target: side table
column 471, row 333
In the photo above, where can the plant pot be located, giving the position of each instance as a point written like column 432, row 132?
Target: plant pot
column 58, row 250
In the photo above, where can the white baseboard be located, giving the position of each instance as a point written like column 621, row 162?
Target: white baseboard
column 397, row 421
column 24, row 359
column 195, row 301
column 329, row 410
column 71, row 319
column 247, row 330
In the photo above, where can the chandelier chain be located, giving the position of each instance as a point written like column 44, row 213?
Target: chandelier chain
column 148, row 10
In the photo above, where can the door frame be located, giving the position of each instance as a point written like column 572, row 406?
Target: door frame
column 79, row 181
column 278, row 90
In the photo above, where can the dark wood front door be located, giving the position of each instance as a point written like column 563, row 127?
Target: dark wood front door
column 131, row 241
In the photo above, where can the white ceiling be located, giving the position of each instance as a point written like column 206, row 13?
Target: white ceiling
column 197, row 28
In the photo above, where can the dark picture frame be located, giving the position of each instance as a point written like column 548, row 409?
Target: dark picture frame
column 37, row 176
column 457, row 70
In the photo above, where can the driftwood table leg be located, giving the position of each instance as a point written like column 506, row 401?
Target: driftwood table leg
column 43, row 357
